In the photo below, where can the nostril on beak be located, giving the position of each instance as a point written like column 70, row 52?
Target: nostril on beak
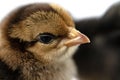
column 76, row 38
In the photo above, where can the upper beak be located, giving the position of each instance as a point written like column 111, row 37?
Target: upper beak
column 76, row 38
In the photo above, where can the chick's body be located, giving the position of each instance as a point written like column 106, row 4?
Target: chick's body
column 37, row 42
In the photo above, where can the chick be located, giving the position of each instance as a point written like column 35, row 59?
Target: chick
column 100, row 60
column 37, row 42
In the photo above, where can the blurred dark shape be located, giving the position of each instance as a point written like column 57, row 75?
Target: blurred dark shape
column 100, row 60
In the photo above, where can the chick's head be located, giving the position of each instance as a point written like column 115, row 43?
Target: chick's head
column 46, row 31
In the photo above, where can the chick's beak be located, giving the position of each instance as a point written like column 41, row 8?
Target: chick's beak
column 76, row 38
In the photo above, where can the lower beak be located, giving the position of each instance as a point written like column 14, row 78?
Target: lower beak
column 77, row 40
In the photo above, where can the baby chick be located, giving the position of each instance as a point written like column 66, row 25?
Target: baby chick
column 100, row 60
column 37, row 42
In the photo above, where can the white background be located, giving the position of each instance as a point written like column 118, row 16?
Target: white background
column 79, row 9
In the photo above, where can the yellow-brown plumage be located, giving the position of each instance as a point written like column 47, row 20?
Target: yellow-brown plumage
column 37, row 42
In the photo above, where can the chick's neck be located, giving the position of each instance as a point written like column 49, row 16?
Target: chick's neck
column 37, row 71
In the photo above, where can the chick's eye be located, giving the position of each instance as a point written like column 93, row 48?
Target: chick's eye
column 46, row 38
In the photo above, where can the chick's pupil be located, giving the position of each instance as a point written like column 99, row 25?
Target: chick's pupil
column 46, row 38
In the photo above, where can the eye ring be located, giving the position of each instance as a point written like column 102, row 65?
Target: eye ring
column 46, row 38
